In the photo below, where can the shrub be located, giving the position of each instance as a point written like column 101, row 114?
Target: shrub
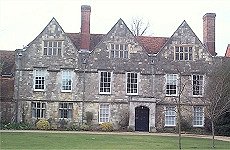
column 89, row 117
column 85, row 127
column 106, row 126
column 43, row 125
column 63, row 124
column 16, row 126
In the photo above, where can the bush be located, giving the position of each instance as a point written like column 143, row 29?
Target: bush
column 43, row 125
column 106, row 126
column 85, row 127
column 89, row 117
column 16, row 126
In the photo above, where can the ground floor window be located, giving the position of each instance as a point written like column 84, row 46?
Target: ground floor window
column 170, row 116
column 198, row 116
column 104, row 113
column 38, row 109
column 65, row 110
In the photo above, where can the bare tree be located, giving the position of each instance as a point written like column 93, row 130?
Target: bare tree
column 138, row 27
column 217, row 96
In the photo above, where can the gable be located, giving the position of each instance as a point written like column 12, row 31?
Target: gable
column 51, row 47
column 7, row 62
column 184, row 37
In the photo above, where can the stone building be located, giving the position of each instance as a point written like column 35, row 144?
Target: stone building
column 119, row 78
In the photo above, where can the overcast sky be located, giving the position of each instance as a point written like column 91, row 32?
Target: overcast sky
column 22, row 20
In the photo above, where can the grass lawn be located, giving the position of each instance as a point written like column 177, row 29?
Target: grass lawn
column 11, row 140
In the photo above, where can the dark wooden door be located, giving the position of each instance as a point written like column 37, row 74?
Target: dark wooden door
column 142, row 118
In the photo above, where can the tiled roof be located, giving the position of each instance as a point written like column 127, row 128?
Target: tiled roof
column 151, row 44
column 227, row 54
column 94, row 39
column 7, row 88
column 7, row 59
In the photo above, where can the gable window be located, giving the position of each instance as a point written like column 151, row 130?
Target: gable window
column 118, row 51
column 132, row 83
column 38, row 109
column 171, row 84
column 39, row 79
column 104, row 113
column 198, row 116
column 52, row 48
column 197, row 83
column 183, row 53
column 105, row 82
column 65, row 110
column 66, row 80
column 170, row 116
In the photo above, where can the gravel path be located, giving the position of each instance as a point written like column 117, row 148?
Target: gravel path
column 222, row 138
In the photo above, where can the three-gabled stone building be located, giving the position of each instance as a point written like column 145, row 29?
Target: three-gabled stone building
column 122, row 79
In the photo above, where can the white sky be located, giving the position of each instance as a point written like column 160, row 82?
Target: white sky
column 22, row 20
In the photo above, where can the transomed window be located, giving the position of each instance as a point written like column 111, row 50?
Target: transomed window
column 132, row 83
column 38, row 109
column 104, row 113
column 183, row 53
column 170, row 116
column 197, row 84
column 105, row 82
column 65, row 110
column 39, row 79
column 171, row 84
column 52, row 48
column 118, row 51
column 198, row 116
column 66, row 80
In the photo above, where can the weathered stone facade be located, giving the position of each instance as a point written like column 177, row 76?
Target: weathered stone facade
column 86, row 65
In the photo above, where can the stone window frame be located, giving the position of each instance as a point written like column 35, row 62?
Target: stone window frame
column 39, row 79
column 170, row 112
column 137, row 78
column 171, row 85
column 103, row 83
column 65, row 110
column 38, row 109
column 198, row 116
column 52, row 47
column 67, row 76
column 198, row 84
column 104, row 113
column 183, row 52
column 118, row 50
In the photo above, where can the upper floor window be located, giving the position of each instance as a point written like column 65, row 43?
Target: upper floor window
column 118, row 51
column 132, row 83
column 52, row 48
column 66, row 80
column 104, row 113
column 105, row 82
column 39, row 79
column 197, row 84
column 198, row 116
column 170, row 116
column 183, row 53
column 38, row 109
column 171, row 84
column 65, row 110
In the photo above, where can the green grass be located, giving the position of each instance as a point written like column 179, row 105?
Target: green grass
column 11, row 140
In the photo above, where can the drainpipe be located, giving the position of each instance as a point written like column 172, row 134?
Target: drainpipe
column 83, row 94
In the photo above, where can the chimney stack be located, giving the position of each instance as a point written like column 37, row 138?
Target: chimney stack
column 85, row 27
column 209, row 32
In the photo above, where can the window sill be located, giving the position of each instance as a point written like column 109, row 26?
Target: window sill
column 132, row 94
column 198, row 126
column 100, row 93
column 66, row 91
column 169, row 125
column 37, row 90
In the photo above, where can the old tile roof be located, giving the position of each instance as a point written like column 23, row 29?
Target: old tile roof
column 227, row 54
column 7, row 62
column 151, row 44
column 7, row 88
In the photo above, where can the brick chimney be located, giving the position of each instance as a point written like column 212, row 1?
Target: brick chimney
column 209, row 32
column 85, row 27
